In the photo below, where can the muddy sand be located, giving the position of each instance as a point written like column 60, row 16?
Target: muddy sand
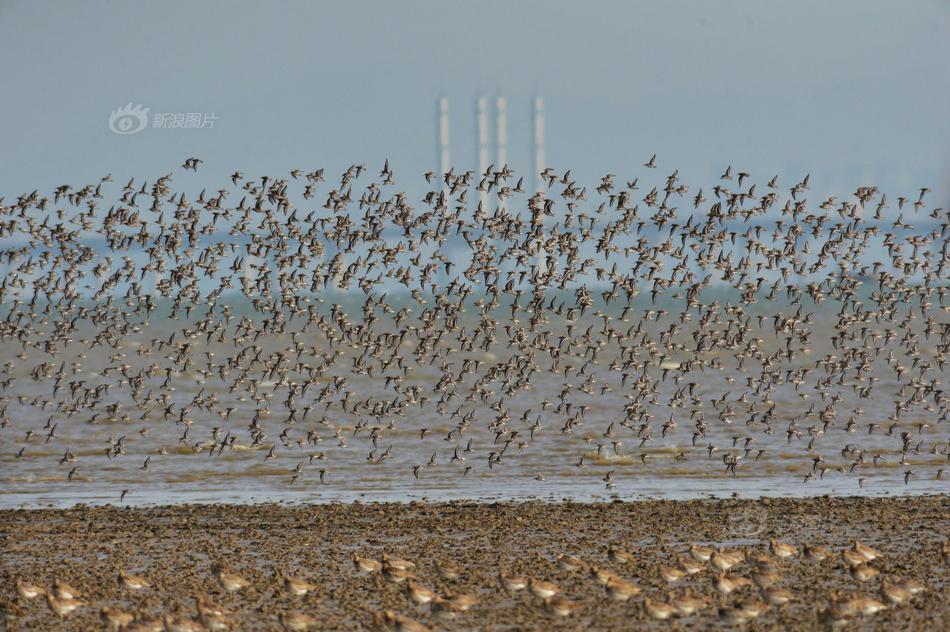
column 175, row 549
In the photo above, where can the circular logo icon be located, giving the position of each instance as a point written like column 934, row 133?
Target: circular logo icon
column 128, row 119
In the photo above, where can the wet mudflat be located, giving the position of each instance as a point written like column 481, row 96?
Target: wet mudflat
column 184, row 551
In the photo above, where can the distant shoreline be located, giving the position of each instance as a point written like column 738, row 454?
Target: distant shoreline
column 475, row 502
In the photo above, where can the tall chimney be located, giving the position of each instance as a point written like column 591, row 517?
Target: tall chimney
column 538, row 142
column 501, row 136
column 444, row 165
column 501, row 131
column 482, row 126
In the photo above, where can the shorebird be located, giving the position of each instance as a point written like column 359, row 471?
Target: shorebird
column 621, row 590
column 366, row 565
column 765, row 577
column 691, row 566
column 601, row 575
column 64, row 591
column 863, row 572
column 862, row 552
column 297, row 621
column 782, row 550
column 28, row 590
column 701, row 553
column 726, row 583
column 777, row 596
column 182, row 624
column 216, row 623
column 458, row 602
column 894, row 594
column 149, row 625
column 658, row 609
column 208, row 608
column 116, row 618
column 396, row 563
column 419, row 593
column 230, row 581
column 868, row 606
column 396, row 574
column 621, row 556
column 389, row 620
column 911, row 585
column 687, row 604
column 672, row 574
column 448, row 570
column 297, row 585
column 450, row 609
column 816, row 553
column 571, row 563
column 723, row 560
column 739, row 614
column 513, row 583
column 560, row 606
column 62, row 605
column 542, row 589
column 133, row 582
column 845, row 609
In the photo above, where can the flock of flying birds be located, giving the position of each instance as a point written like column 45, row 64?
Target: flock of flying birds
column 629, row 324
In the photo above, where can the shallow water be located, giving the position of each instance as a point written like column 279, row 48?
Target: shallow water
column 187, row 474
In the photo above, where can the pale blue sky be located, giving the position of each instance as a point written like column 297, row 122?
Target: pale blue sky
column 855, row 92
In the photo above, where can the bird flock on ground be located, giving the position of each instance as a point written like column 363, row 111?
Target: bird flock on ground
column 291, row 322
column 746, row 582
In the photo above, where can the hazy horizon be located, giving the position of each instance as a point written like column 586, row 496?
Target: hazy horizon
column 767, row 87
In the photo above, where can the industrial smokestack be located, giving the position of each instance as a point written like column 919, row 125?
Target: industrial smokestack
column 501, row 135
column 538, row 142
column 501, row 131
column 482, row 130
column 444, row 165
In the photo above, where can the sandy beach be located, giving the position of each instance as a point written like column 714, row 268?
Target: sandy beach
column 175, row 548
